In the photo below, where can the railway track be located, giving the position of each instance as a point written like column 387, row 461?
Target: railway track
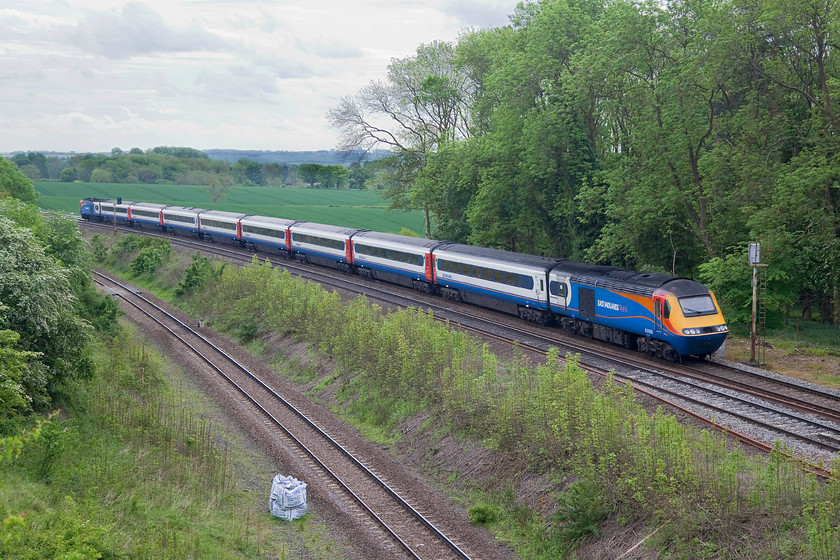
column 403, row 531
column 758, row 408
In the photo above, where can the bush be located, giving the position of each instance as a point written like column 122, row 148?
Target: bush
column 198, row 275
column 151, row 257
column 483, row 515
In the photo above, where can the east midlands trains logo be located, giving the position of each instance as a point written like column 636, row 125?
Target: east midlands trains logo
column 612, row 306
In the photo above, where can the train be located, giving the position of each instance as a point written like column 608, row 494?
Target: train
column 658, row 314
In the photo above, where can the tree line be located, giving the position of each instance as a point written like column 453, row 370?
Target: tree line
column 659, row 136
column 188, row 166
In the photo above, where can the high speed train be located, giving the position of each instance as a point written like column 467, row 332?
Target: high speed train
column 659, row 314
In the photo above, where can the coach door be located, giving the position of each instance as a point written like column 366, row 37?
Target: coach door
column 658, row 309
column 429, row 267
column 559, row 291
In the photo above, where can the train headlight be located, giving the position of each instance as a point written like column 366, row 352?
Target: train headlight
column 721, row 328
column 691, row 331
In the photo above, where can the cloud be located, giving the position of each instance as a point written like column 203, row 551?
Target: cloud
column 238, row 84
column 479, row 13
column 84, row 75
column 331, row 49
column 137, row 30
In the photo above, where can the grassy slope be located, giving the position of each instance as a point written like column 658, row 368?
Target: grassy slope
column 352, row 208
column 137, row 468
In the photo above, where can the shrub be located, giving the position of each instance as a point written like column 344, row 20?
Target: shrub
column 483, row 515
column 199, row 273
column 151, row 257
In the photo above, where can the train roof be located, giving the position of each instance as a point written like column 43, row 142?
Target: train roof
column 612, row 277
column 268, row 220
column 222, row 214
column 496, row 255
column 149, row 205
column 312, row 227
column 182, row 209
column 396, row 239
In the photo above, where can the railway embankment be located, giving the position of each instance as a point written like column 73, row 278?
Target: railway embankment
column 531, row 450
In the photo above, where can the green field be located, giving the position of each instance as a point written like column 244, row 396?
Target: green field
column 351, row 208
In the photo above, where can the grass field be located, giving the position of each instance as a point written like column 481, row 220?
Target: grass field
column 351, row 208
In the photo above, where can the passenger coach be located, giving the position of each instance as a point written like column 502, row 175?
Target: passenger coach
column 147, row 214
column 219, row 226
column 267, row 234
column 515, row 283
column 398, row 259
column 323, row 244
column 181, row 220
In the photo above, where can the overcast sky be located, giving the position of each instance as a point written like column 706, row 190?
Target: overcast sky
column 89, row 75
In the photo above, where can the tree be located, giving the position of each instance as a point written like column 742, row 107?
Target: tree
column 14, row 370
column 217, row 186
column 309, row 173
column 424, row 103
column 358, row 175
column 15, row 184
column 332, row 176
column 247, row 172
column 40, row 308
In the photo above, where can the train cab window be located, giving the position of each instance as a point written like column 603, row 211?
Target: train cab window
column 697, row 305
column 667, row 313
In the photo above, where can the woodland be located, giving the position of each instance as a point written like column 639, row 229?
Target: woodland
column 652, row 135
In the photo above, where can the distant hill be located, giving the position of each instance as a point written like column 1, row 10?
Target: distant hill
column 322, row 157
